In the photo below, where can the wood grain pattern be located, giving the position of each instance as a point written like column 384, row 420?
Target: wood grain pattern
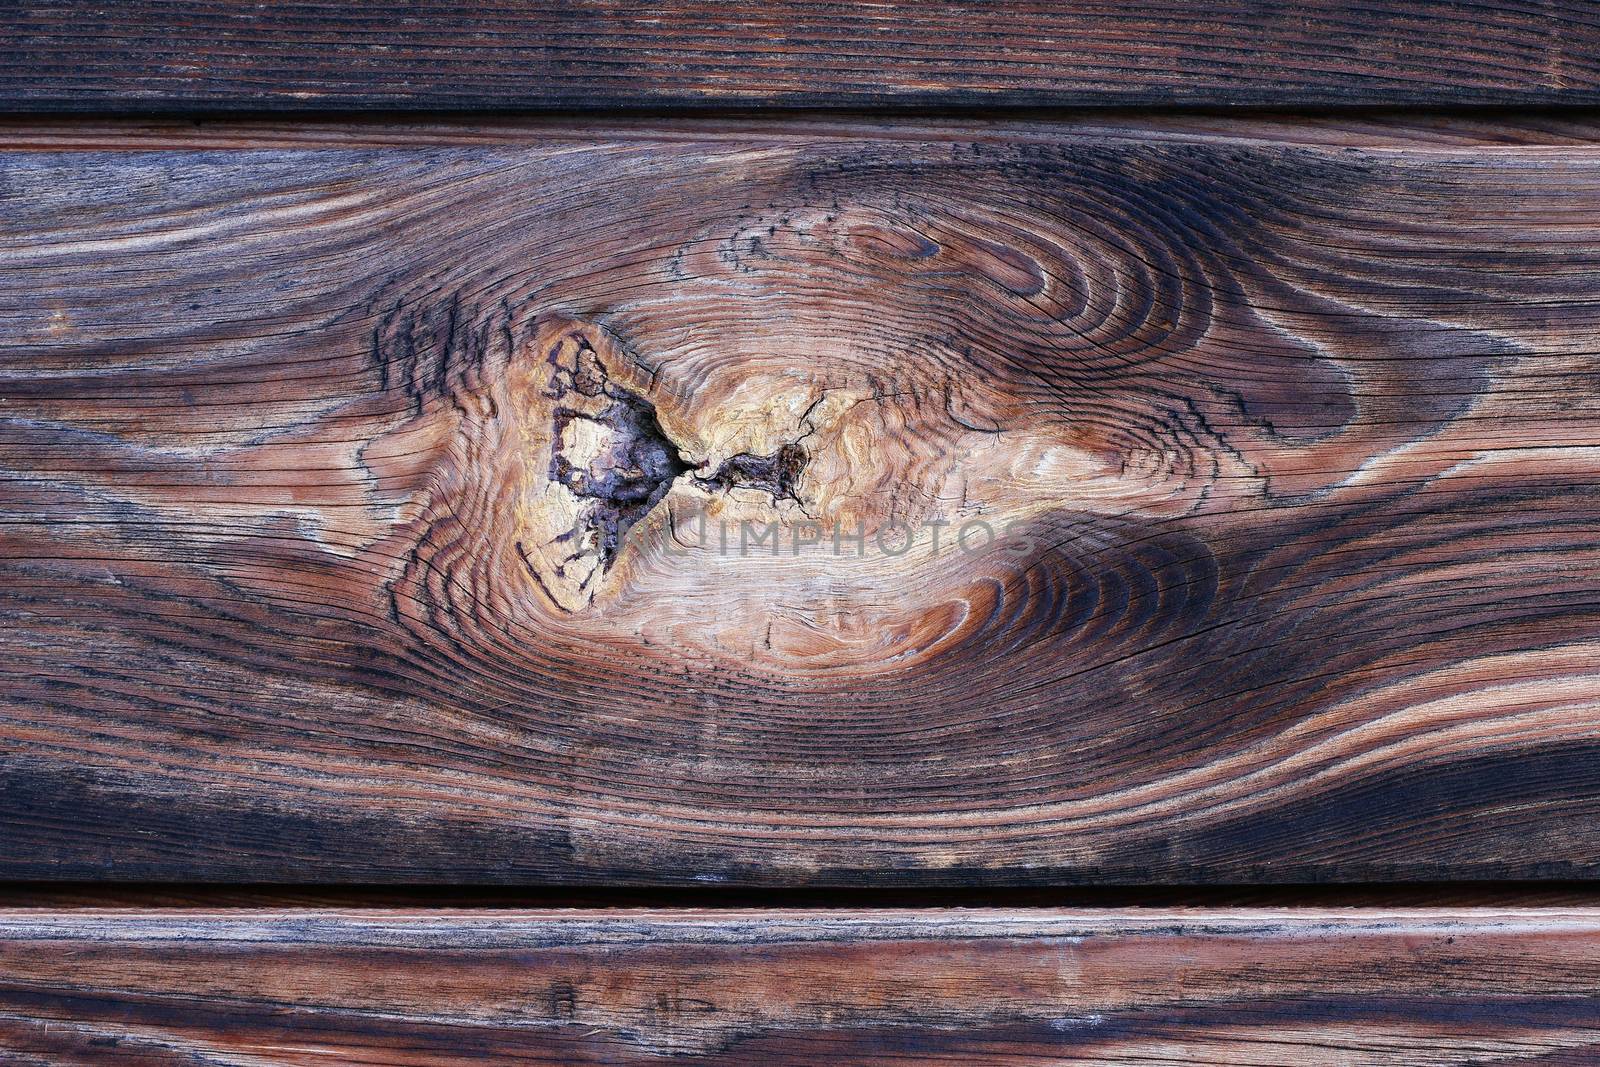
column 353, row 496
column 318, row 54
column 1346, row 988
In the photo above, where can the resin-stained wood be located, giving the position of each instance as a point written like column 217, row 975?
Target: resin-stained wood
column 152, row 55
column 1348, row 987
column 941, row 504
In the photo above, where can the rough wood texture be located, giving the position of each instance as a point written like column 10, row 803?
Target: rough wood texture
column 1345, row 988
column 152, row 54
column 353, row 504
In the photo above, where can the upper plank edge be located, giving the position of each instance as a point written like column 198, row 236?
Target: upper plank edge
column 67, row 56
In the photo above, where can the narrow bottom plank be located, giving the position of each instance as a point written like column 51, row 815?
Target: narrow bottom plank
column 1020, row 986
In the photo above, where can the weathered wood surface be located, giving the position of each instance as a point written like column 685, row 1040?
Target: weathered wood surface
column 1346, row 988
column 351, row 495
column 320, row 54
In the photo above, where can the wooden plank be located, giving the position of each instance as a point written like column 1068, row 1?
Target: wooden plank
column 1347, row 988
column 318, row 54
column 353, row 501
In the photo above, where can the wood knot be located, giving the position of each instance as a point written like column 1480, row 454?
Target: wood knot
column 607, row 450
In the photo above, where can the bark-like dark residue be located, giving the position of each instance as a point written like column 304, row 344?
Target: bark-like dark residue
column 777, row 474
column 633, row 472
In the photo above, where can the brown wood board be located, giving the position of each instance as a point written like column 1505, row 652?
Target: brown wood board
column 72, row 55
column 350, row 522
column 1345, row 987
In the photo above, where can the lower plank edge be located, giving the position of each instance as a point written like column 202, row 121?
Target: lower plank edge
column 632, row 986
